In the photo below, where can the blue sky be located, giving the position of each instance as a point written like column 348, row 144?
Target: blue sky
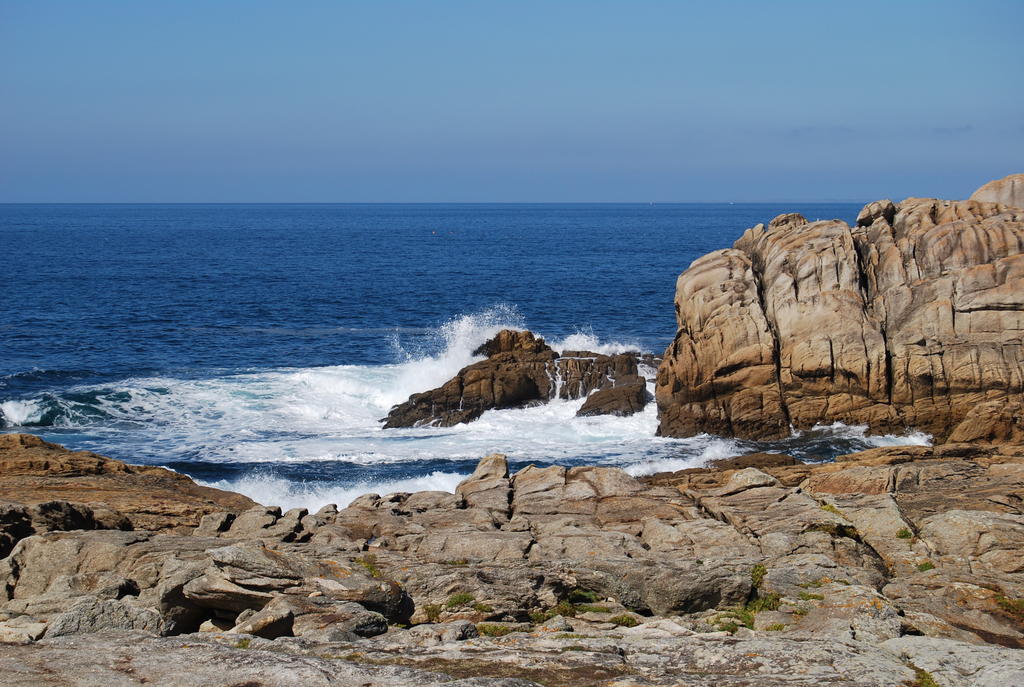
column 250, row 101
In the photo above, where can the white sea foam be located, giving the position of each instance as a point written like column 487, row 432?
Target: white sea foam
column 271, row 490
column 16, row 413
column 331, row 414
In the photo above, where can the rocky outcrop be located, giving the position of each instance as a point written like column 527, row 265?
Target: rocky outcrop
column 105, row 491
column 522, row 370
column 1009, row 191
column 913, row 318
column 882, row 568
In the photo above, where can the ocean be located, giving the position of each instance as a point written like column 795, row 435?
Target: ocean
column 256, row 347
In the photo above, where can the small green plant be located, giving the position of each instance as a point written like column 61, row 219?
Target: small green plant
column 1014, row 607
column 482, row 608
column 807, row 596
column 800, row 611
column 243, row 643
column 460, row 599
column 569, row 635
column 369, row 563
column 924, row 567
column 493, row 630
column 923, row 678
column 592, row 608
column 728, row 626
column 757, row 574
column 564, row 608
column 575, row 647
column 768, row 602
column 775, row 627
column 433, row 612
column 829, row 508
column 456, row 561
column 624, row 620
column 578, row 596
column 538, row 617
column 905, row 534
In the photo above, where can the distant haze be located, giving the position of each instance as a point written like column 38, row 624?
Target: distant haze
column 388, row 101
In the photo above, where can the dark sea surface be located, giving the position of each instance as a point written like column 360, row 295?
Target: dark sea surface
column 255, row 346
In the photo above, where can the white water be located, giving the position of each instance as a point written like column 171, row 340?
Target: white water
column 329, row 415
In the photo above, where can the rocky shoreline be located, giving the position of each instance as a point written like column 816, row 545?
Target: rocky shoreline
column 887, row 567
column 893, row 566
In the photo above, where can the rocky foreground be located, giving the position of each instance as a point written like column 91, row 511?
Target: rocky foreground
column 897, row 566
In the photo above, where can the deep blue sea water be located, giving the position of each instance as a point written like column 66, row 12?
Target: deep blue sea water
column 256, row 346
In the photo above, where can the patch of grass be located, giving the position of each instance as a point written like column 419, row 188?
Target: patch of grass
column 800, row 611
column 922, row 678
column 768, row 602
column 569, row 635
column 926, row 566
column 493, row 630
column 483, row 608
column 456, row 561
column 807, row 596
column 733, row 619
column 829, row 508
column 905, row 534
column 538, row 617
column 729, row 627
column 243, row 643
column 369, row 563
column 775, row 627
column 757, row 574
column 624, row 620
column 433, row 612
column 578, row 596
column 1014, row 607
column 460, row 599
column 575, row 647
column 591, row 608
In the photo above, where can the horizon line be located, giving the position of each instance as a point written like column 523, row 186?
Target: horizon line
column 432, row 202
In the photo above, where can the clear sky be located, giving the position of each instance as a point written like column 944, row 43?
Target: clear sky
column 481, row 100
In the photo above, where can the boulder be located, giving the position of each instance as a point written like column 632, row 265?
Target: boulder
column 627, row 397
column 911, row 318
column 1007, row 191
column 520, row 370
column 96, row 615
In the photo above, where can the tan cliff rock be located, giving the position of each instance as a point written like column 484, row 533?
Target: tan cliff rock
column 1009, row 191
column 913, row 318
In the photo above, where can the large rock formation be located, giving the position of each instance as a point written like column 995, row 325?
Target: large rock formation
column 1008, row 191
column 522, row 370
column 885, row 567
column 911, row 319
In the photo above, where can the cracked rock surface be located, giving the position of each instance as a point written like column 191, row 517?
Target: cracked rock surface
column 912, row 318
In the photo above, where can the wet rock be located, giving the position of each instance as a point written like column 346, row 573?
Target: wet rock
column 628, row 396
column 521, row 370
